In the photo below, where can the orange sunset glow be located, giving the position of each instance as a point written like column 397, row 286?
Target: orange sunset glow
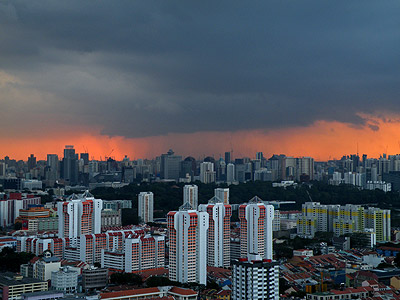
column 322, row 140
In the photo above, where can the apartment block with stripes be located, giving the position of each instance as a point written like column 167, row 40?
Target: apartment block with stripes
column 343, row 219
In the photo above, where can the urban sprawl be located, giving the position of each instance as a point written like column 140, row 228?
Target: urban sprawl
column 211, row 228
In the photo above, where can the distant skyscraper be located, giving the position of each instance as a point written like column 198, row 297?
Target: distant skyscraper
column 230, row 173
column 188, row 245
column 218, row 240
column 260, row 156
column 146, row 206
column 70, row 165
column 79, row 215
column 170, row 165
column 207, row 173
column 31, row 162
column 190, row 195
column 228, row 158
column 222, row 194
column 85, row 157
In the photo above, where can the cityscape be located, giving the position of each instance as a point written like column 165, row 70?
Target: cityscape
column 167, row 238
column 187, row 150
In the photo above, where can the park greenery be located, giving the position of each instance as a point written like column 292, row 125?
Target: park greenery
column 168, row 196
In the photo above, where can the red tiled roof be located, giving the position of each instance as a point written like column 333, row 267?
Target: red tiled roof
column 129, row 293
column 181, row 291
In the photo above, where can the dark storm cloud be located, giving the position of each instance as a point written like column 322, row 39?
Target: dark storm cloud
column 143, row 68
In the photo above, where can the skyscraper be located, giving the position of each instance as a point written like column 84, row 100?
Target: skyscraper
column 228, row 158
column 207, row 173
column 31, row 162
column 218, row 240
column 70, row 165
column 230, row 173
column 170, row 165
column 256, row 228
column 188, row 245
column 222, row 194
column 146, row 206
column 79, row 215
column 190, row 195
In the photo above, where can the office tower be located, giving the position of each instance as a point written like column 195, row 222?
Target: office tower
column 79, row 215
column 188, row 166
column 188, row 245
column 70, row 165
column 146, row 206
column 222, row 194
column 191, row 195
column 221, row 170
column 256, row 228
column 379, row 221
column 230, row 173
column 218, row 239
column 52, row 161
column 85, row 157
column 31, row 162
column 255, row 278
column 170, row 165
column 228, row 158
column 259, row 156
column 207, row 173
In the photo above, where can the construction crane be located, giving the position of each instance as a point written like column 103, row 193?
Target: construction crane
column 109, row 155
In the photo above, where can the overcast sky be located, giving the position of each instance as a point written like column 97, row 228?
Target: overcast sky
column 151, row 68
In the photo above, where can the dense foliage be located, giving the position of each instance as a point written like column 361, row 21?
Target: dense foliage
column 168, row 196
column 126, row 279
column 11, row 260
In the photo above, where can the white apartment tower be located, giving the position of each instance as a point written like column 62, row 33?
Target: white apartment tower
column 256, row 228
column 218, row 240
column 146, row 206
column 191, row 195
column 80, row 214
column 188, row 245
column 222, row 194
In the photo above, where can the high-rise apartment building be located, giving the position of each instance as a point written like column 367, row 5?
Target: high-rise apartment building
column 31, row 162
column 146, row 206
column 218, row 240
column 380, row 222
column 188, row 245
column 255, row 278
column 343, row 219
column 79, row 215
column 191, row 195
column 256, row 228
column 222, row 194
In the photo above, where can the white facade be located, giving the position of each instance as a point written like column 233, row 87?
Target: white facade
column 218, row 240
column 188, row 245
column 256, row 224
column 65, row 279
column 222, row 194
column 79, row 215
column 191, row 195
column 254, row 278
column 146, row 206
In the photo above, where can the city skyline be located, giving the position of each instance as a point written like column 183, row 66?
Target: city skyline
column 306, row 79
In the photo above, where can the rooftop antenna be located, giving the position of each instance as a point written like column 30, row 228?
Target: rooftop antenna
column 357, row 148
